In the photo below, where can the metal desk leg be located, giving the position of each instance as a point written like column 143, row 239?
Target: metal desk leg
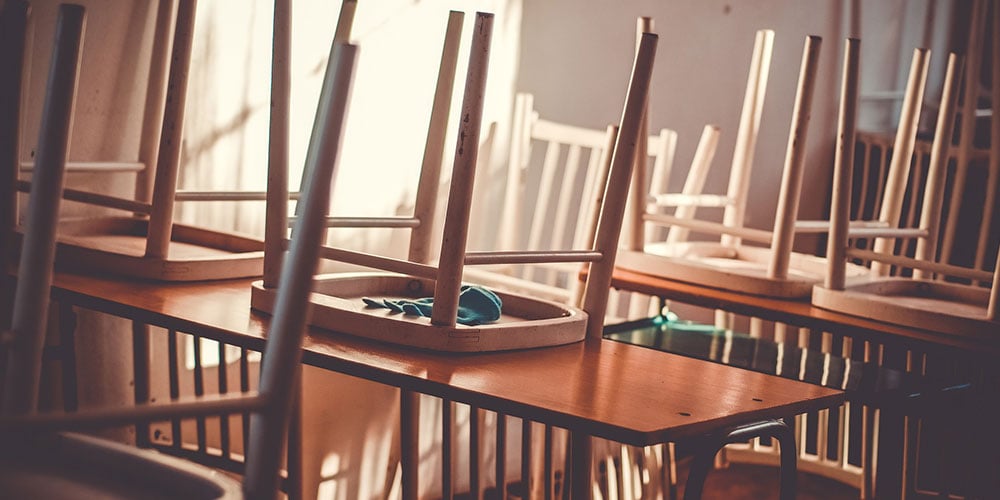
column 705, row 455
column 581, row 476
column 409, row 423
column 141, row 372
column 67, row 356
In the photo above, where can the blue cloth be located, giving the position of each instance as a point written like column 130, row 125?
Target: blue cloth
column 476, row 305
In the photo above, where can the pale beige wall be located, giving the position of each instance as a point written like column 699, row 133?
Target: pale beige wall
column 700, row 73
column 576, row 54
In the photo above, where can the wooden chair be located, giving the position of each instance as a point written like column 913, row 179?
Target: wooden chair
column 729, row 264
column 527, row 322
column 920, row 300
column 421, row 223
column 38, row 459
column 147, row 243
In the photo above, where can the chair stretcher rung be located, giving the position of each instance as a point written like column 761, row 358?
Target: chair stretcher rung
column 359, row 222
column 934, row 267
column 885, row 232
column 507, row 282
column 531, row 257
column 823, row 226
column 695, row 200
column 377, row 262
column 93, row 166
column 96, row 199
column 227, row 196
column 746, row 233
column 187, row 407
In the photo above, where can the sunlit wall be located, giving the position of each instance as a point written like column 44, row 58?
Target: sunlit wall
column 400, row 46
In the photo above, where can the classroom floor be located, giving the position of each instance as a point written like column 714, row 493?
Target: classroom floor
column 739, row 482
column 745, row 482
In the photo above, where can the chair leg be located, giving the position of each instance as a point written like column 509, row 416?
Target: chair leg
column 67, row 353
column 703, row 461
column 704, row 457
column 669, row 477
column 141, row 376
column 789, row 459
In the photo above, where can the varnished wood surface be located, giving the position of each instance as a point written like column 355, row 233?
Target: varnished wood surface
column 627, row 393
column 802, row 313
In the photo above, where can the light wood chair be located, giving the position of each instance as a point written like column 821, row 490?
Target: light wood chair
column 146, row 242
column 39, row 459
column 773, row 270
column 421, row 223
column 925, row 300
column 527, row 322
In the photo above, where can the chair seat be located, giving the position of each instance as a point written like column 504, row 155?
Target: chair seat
column 82, row 467
column 118, row 245
column 931, row 305
column 743, row 269
column 337, row 305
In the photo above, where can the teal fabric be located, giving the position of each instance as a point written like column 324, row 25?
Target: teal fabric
column 476, row 305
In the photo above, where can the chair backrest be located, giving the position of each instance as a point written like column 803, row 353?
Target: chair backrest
column 556, row 174
column 551, row 198
column 271, row 408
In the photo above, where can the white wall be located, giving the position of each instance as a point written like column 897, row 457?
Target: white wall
column 576, row 55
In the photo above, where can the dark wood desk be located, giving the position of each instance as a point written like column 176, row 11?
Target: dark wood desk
column 601, row 388
column 938, row 362
column 802, row 313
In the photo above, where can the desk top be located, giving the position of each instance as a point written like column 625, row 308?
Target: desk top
column 800, row 313
column 604, row 388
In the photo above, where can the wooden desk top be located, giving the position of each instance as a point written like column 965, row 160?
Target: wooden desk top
column 621, row 392
column 800, row 313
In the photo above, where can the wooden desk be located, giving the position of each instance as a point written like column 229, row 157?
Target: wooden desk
column 801, row 313
column 621, row 392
